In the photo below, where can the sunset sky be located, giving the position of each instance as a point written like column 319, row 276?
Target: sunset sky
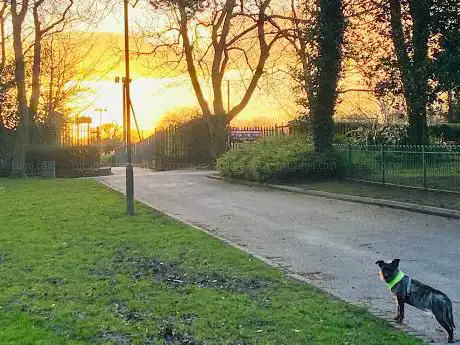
column 153, row 95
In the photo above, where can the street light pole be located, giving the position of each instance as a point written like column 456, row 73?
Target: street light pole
column 100, row 110
column 129, row 164
column 124, row 109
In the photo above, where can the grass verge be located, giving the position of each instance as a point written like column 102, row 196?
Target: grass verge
column 369, row 190
column 75, row 270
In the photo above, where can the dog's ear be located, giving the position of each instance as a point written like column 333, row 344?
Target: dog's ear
column 395, row 262
column 380, row 263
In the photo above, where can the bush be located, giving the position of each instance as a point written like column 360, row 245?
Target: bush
column 7, row 139
column 66, row 158
column 446, row 132
column 108, row 160
column 379, row 135
column 303, row 126
column 278, row 159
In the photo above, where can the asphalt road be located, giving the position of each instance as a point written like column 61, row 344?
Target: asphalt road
column 334, row 243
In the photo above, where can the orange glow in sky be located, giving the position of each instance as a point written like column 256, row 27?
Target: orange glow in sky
column 152, row 96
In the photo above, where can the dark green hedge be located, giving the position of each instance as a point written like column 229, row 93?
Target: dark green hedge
column 278, row 159
column 448, row 132
column 66, row 158
column 7, row 138
column 302, row 125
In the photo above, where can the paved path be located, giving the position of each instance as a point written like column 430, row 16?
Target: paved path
column 335, row 243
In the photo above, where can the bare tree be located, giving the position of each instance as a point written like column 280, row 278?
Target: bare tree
column 67, row 61
column 49, row 18
column 213, row 37
column 2, row 32
column 8, row 108
column 17, row 17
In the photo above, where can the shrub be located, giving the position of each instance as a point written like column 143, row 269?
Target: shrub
column 278, row 159
column 66, row 158
column 7, row 139
column 108, row 160
column 379, row 135
column 446, row 132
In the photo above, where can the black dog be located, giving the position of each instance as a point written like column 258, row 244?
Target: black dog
column 418, row 295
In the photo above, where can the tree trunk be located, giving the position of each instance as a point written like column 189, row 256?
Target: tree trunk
column 331, row 31
column 218, row 136
column 218, row 118
column 19, row 159
column 455, row 107
column 414, row 73
column 450, row 106
column 35, row 95
column 2, row 33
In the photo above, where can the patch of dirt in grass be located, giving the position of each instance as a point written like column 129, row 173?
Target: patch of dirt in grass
column 172, row 336
column 116, row 338
column 174, row 276
column 127, row 314
column 101, row 272
column 215, row 280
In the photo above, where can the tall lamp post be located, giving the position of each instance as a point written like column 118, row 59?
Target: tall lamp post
column 129, row 164
column 100, row 110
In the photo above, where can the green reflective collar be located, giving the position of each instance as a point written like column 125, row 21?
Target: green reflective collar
column 395, row 280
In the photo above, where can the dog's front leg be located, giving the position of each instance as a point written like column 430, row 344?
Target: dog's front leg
column 400, row 317
column 396, row 318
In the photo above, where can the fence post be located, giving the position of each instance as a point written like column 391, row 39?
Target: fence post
column 382, row 153
column 424, row 167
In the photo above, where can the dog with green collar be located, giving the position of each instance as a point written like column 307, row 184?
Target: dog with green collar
column 418, row 295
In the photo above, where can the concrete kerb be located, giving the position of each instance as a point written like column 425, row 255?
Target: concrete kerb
column 434, row 211
column 291, row 275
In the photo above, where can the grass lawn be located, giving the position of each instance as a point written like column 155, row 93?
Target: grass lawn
column 75, row 270
column 415, row 196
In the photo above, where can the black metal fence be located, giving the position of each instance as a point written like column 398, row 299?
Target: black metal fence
column 238, row 135
column 423, row 167
column 175, row 148
column 73, row 147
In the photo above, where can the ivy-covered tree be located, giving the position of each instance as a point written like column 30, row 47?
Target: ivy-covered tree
column 318, row 38
column 331, row 27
